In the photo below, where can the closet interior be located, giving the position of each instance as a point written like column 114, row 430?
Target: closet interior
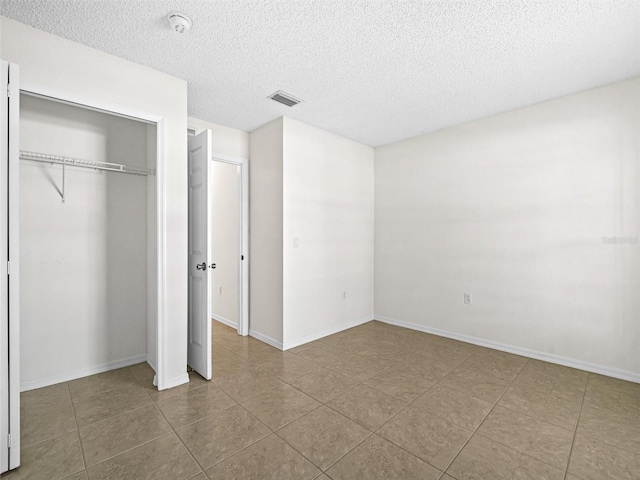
column 88, row 280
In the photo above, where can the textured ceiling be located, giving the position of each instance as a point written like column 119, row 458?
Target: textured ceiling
column 373, row 71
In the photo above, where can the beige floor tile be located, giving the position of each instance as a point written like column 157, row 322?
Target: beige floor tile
column 483, row 386
column 77, row 476
column 143, row 373
column 614, row 384
column 533, row 423
column 247, row 385
column 229, row 366
column 200, row 476
column 195, row 381
column 431, row 370
column 253, row 351
column 594, row 460
column 280, row 406
column 323, row 436
column 52, row 459
column 376, row 458
column 221, row 435
column 261, row 355
column 367, row 406
column 610, row 427
column 45, row 413
column 347, row 341
column 288, row 367
column 323, row 384
column 45, row 395
column 93, row 408
column 356, row 367
column 505, row 368
column 194, row 405
column 163, row 458
column 101, row 383
column 604, row 395
column 457, row 407
column 108, row 438
column 429, row 437
column 556, row 380
column 325, row 354
column 300, row 348
column 269, row 458
column 386, row 356
column 482, row 459
column 398, row 383
column 543, row 441
column 458, row 346
column 547, row 407
column 452, row 351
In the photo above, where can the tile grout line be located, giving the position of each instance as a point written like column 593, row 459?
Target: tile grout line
column 410, row 403
column 173, row 430
column 373, row 432
column 575, row 432
column 75, row 419
column 485, row 418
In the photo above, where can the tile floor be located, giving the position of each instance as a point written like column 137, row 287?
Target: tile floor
column 375, row 401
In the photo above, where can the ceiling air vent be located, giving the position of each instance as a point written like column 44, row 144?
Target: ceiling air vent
column 284, row 98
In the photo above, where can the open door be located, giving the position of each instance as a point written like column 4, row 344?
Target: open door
column 199, row 333
column 9, row 281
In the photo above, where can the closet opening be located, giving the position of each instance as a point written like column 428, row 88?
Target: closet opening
column 89, row 241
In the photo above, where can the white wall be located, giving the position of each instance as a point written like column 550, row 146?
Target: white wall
column 265, row 232
column 223, row 182
column 513, row 209
column 59, row 64
column 328, row 207
column 226, row 140
column 83, row 263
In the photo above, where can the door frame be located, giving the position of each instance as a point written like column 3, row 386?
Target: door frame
column 243, row 237
column 85, row 101
column 10, row 256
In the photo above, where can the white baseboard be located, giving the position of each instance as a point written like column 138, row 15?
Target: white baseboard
column 266, row 339
column 175, row 381
column 226, row 321
column 525, row 352
column 325, row 333
column 83, row 372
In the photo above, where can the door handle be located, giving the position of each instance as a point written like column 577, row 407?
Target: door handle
column 213, row 265
column 201, row 266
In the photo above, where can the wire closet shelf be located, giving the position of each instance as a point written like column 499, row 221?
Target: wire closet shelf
column 78, row 162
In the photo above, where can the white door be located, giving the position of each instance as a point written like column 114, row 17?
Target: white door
column 9, row 270
column 199, row 334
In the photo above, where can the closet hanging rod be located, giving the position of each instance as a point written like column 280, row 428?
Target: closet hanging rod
column 78, row 162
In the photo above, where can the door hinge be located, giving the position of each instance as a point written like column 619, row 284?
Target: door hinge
column 9, row 90
column 9, row 440
column 8, row 268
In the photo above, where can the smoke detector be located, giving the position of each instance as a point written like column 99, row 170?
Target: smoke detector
column 284, row 98
column 179, row 22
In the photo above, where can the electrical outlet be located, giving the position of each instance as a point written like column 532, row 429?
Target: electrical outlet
column 296, row 242
column 344, row 295
column 468, row 300
column 220, row 290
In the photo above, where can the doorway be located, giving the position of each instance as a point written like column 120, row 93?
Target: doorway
column 228, row 239
column 229, row 220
